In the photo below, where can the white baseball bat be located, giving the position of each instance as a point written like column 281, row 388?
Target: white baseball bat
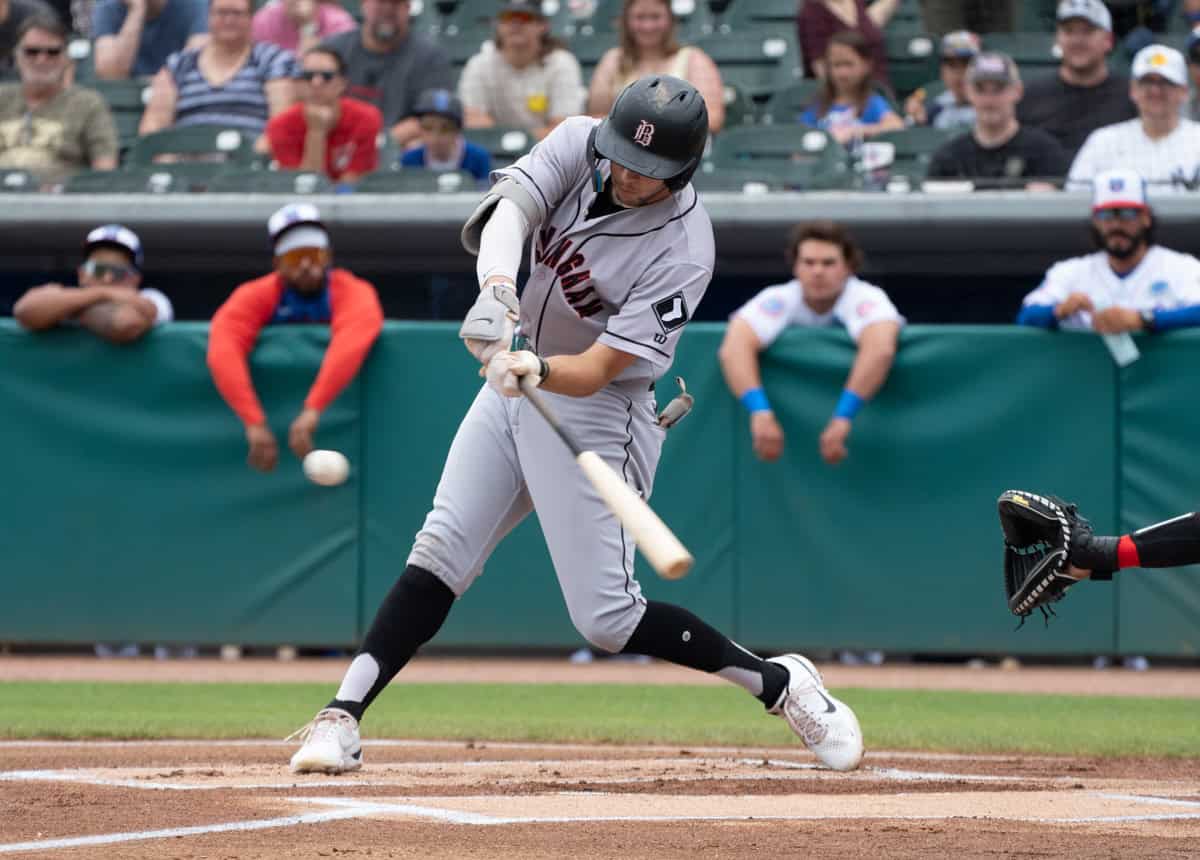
column 669, row 558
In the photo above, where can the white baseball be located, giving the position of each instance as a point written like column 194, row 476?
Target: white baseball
column 327, row 468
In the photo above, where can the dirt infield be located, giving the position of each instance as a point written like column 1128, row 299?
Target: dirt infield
column 220, row 799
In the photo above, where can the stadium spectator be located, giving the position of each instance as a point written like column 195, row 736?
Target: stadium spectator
column 1083, row 94
column 442, row 145
column 230, row 81
column 1136, row 21
column 13, row 14
column 950, row 109
column 304, row 288
column 326, row 132
column 999, row 151
column 133, row 38
column 529, row 81
column 47, row 126
column 390, row 66
column 647, row 44
column 823, row 291
column 820, row 19
column 1193, row 58
column 980, row 16
column 1160, row 144
column 847, row 105
column 109, row 301
column 298, row 25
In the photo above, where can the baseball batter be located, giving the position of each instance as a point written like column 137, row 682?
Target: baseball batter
column 622, row 253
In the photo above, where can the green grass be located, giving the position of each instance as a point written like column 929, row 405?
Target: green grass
column 891, row 719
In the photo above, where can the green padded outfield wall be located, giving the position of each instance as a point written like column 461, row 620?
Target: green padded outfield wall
column 129, row 512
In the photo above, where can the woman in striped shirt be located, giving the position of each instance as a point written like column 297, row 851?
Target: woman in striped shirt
column 231, row 81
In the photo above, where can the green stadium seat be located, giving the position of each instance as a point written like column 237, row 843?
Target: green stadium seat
column 784, row 106
column 127, row 101
column 740, row 109
column 759, row 14
column 1034, row 53
column 417, row 181
column 795, row 156
column 748, row 181
column 13, row 181
column 505, row 145
column 270, row 182
column 912, row 60
column 756, row 63
column 208, row 142
column 82, row 56
column 464, row 43
column 159, row 179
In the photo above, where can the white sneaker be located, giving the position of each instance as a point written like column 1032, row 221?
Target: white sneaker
column 827, row 726
column 331, row 744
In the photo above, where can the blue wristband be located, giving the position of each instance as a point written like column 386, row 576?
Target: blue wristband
column 848, row 405
column 755, row 400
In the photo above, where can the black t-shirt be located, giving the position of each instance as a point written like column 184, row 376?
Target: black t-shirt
column 1029, row 154
column 1071, row 113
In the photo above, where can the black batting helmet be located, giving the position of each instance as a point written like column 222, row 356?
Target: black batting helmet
column 657, row 127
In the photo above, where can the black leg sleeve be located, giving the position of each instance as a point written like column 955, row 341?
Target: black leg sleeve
column 410, row 615
column 672, row 633
column 1172, row 543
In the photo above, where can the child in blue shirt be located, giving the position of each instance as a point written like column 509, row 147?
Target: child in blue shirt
column 848, row 106
column 443, row 146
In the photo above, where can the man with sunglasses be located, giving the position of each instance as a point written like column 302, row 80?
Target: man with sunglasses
column 304, row 288
column 1130, row 284
column 326, row 131
column 13, row 13
column 109, row 300
column 47, row 126
column 1161, row 144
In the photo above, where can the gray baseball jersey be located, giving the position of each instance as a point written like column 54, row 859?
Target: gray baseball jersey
column 629, row 279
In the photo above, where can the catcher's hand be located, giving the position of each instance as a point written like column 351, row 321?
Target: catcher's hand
column 1039, row 532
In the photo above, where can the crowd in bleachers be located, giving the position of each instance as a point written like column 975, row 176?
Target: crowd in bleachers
column 316, row 95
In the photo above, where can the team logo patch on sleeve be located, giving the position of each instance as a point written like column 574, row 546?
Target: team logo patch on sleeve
column 672, row 312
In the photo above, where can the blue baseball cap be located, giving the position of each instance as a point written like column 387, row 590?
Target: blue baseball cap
column 117, row 236
column 441, row 103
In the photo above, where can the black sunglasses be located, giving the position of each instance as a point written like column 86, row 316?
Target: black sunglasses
column 104, row 270
column 1121, row 213
column 323, row 76
column 32, row 52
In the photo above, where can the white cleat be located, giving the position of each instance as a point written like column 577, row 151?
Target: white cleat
column 331, row 744
column 827, row 726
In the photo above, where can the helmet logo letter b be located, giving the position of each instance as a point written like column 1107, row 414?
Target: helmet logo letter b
column 644, row 133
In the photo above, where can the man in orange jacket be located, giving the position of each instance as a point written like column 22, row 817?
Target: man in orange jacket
column 304, row 288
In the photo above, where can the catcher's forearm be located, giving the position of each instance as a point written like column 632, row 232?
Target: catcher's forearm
column 1172, row 543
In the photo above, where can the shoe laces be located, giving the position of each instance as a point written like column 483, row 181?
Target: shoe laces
column 320, row 727
column 811, row 729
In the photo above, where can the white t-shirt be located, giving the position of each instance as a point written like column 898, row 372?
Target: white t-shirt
column 164, row 312
column 1164, row 280
column 524, row 98
column 1169, row 165
column 783, row 305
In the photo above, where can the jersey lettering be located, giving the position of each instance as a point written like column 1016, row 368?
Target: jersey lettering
column 576, row 281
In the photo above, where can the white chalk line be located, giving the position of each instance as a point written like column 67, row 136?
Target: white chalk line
column 501, row 745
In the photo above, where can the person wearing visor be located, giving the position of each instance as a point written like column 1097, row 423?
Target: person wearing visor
column 109, row 300
column 304, row 288
column 1130, row 284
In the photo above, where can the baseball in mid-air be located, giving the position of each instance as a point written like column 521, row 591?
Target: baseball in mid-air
column 327, row 468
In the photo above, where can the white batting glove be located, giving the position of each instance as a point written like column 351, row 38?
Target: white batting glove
column 505, row 370
column 488, row 327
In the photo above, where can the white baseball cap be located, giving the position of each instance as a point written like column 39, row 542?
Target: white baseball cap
column 1119, row 189
column 1160, row 60
column 1092, row 11
column 289, row 218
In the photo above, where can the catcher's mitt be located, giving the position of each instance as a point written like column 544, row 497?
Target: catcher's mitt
column 1039, row 532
